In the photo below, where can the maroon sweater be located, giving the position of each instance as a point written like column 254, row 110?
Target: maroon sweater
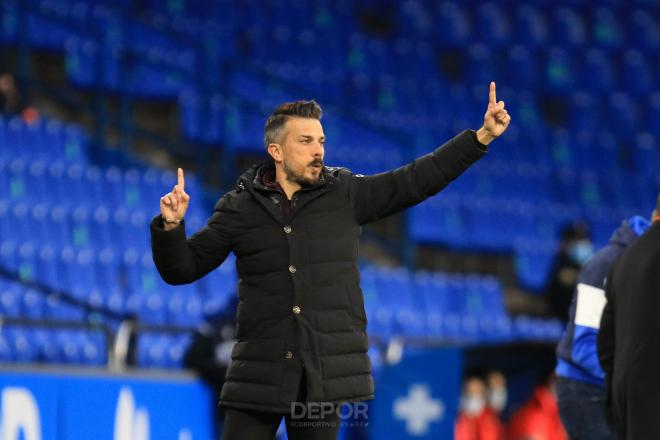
column 268, row 179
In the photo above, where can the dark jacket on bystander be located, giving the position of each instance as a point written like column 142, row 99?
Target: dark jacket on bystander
column 629, row 339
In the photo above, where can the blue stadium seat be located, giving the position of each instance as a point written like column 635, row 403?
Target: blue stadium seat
column 643, row 31
column 523, row 67
column 151, row 350
column 531, row 25
column 533, row 261
column 560, row 70
column 83, row 228
column 598, row 71
column 23, row 350
column 176, row 349
column 69, row 343
column 528, row 328
column 94, row 349
column 607, row 31
column 242, row 128
column 568, row 27
column 379, row 315
column 638, row 72
column 6, row 352
column 33, row 304
column 452, row 24
column 10, row 300
column 493, row 23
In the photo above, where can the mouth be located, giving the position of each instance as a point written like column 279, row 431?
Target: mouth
column 317, row 166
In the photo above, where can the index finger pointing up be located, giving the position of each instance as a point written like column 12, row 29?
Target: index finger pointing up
column 491, row 95
column 181, row 182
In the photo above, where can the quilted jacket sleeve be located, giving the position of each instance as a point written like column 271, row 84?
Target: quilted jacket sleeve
column 183, row 261
column 380, row 195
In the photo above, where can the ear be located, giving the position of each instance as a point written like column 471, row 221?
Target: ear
column 276, row 152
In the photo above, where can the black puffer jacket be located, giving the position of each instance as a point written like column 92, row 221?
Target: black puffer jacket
column 300, row 304
column 628, row 343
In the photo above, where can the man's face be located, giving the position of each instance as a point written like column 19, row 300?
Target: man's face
column 475, row 388
column 473, row 400
column 7, row 83
column 302, row 151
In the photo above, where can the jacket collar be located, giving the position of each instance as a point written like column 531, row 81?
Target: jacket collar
column 253, row 179
column 252, row 182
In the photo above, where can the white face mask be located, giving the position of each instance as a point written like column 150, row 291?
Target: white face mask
column 497, row 398
column 473, row 405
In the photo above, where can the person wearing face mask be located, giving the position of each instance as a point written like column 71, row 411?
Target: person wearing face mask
column 575, row 248
column 476, row 419
column 497, row 391
column 580, row 383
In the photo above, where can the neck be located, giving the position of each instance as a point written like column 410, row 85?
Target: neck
column 288, row 187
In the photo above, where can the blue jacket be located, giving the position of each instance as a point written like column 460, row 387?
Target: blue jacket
column 577, row 355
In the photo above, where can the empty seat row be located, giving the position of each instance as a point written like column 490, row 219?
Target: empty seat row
column 53, row 346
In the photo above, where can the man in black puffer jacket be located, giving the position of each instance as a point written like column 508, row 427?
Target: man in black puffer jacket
column 294, row 226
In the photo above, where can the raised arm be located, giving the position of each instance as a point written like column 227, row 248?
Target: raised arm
column 173, row 205
column 180, row 260
column 496, row 119
column 380, row 195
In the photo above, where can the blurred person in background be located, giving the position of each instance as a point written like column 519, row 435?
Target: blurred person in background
column 294, row 226
column 629, row 337
column 476, row 419
column 9, row 97
column 538, row 418
column 209, row 354
column 575, row 248
column 12, row 102
column 497, row 392
column 580, row 379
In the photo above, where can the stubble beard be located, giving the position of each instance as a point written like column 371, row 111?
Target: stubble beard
column 299, row 178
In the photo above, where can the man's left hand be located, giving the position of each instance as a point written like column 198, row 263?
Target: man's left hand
column 496, row 119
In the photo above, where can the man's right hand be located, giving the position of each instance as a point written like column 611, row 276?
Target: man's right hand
column 173, row 205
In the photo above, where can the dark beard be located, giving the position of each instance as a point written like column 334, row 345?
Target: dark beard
column 300, row 179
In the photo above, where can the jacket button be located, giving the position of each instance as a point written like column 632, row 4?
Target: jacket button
column 292, row 269
column 287, row 229
column 288, row 355
column 296, row 310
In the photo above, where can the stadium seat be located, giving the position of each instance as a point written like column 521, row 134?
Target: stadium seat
column 581, row 82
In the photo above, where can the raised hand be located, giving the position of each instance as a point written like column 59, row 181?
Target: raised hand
column 173, row 205
column 496, row 119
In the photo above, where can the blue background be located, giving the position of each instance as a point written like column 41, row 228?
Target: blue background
column 439, row 370
column 83, row 406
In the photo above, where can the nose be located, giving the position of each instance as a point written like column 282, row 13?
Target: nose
column 319, row 150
